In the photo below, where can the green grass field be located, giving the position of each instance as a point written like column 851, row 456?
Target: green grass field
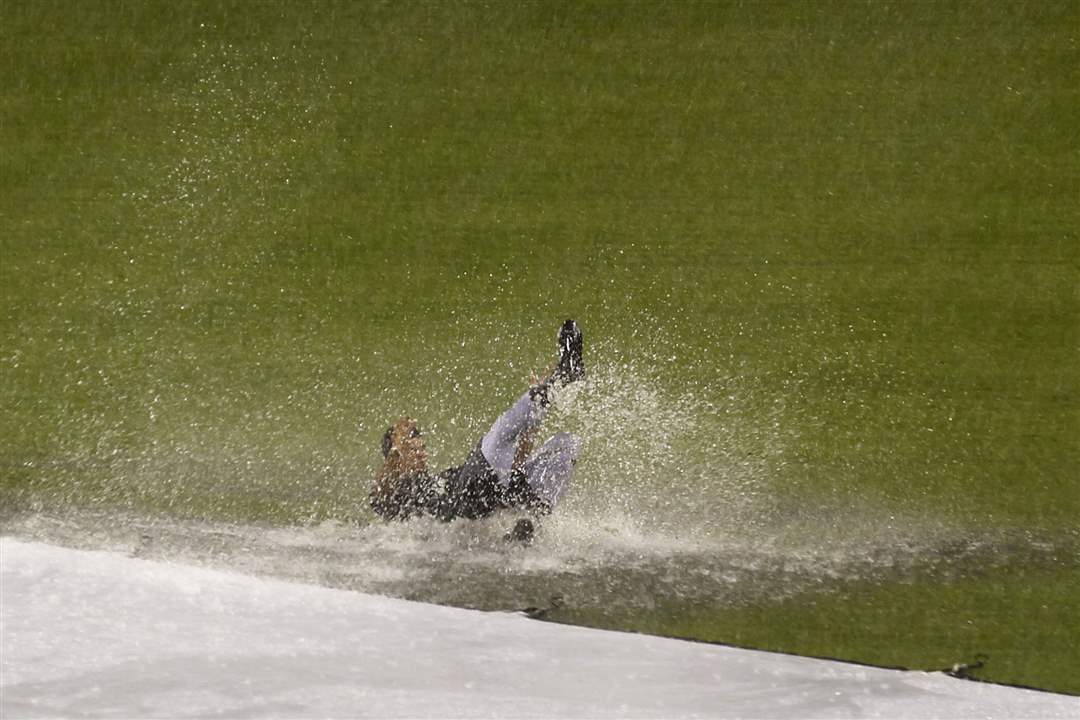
column 928, row 624
column 237, row 238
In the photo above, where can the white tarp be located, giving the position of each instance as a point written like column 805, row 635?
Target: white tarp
column 101, row 634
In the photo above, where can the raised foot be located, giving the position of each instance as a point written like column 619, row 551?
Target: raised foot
column 571, row 365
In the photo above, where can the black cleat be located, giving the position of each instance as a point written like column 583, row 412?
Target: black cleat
column 571, row 366
column 522, row 532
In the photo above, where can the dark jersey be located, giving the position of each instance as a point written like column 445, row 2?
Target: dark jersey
column 471, row 490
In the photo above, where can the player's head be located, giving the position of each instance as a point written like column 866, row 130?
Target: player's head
column 403, row 437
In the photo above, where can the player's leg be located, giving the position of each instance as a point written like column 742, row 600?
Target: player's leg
column 549, row 470
column 500, row 444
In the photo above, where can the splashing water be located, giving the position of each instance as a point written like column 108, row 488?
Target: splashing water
column 647, row 519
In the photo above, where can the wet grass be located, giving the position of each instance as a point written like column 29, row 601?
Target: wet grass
column 866, row 211
column 237, row 238
column 1021, row 624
